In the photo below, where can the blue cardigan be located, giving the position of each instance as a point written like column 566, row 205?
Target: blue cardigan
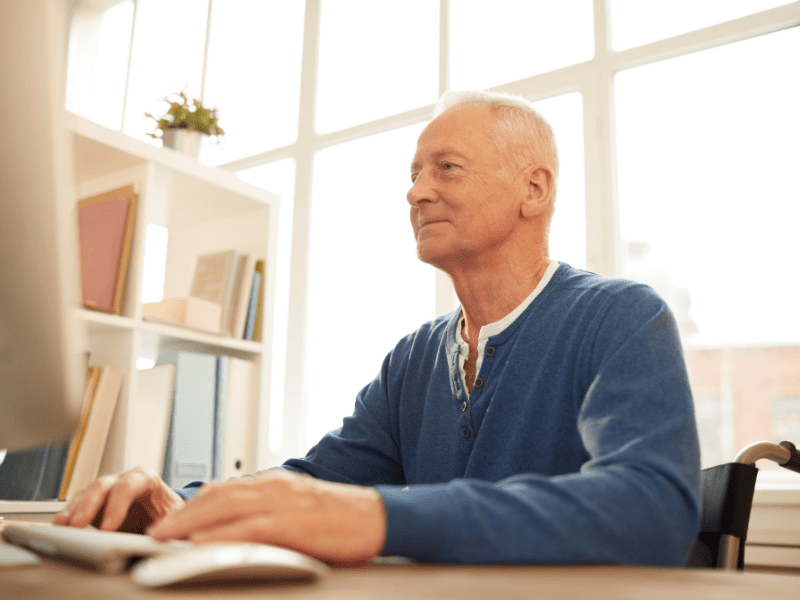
column 579, row 446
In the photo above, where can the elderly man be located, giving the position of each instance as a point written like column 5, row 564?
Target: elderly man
column 547, row 420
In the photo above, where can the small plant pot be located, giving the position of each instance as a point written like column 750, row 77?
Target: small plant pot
column 185, row 141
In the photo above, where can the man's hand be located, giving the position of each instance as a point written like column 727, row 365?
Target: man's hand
column 334, row 522
column 129, row 501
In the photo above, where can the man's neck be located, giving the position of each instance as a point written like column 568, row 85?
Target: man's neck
column 487, row 296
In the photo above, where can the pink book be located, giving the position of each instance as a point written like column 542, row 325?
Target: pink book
column 105, row 225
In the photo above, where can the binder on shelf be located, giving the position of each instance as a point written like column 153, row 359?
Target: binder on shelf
column 190, row 452
column 194, row 313
column 91, row 445
column 238, row 397
column 105, row 231
column 149, row 423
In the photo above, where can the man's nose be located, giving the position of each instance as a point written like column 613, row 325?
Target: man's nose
column 421, row 190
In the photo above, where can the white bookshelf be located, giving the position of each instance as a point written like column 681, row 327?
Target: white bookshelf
column 204, row 210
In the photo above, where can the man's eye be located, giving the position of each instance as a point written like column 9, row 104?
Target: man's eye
column 447, row 166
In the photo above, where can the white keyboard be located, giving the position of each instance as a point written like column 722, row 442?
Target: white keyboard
column 107, row 551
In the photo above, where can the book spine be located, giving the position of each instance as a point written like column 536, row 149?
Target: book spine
column 257, row 333
column 220, row 408
column 190, row 453
column 252, row 308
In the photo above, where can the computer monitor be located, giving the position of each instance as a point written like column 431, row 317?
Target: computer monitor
column 42, row 363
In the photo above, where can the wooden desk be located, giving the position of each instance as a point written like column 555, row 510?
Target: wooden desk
column 420, row 582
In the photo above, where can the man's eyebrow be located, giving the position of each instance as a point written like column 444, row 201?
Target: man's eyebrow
column 436, row 156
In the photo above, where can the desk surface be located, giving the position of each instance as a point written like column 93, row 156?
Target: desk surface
column 405, row 581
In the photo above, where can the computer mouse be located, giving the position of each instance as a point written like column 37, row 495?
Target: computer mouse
column 211, row 563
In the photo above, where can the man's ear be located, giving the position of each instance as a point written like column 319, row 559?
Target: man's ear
column 539, row 191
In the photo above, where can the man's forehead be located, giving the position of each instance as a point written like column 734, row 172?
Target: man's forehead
column 454, row 131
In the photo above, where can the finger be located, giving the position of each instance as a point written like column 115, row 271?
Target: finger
column 312, row 538
column 65, row 516
column 216, row 505
column 255, row 529
column 129, row 488
column 91, row 502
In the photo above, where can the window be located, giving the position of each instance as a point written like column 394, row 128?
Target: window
column 376, row 59
column 98, row 65
column 165, row 59
column 516, row 39
column 253, row 75
column 676, row 164
column 634, row 22
column 568, row 229
column 708, row 205
column 366, row 288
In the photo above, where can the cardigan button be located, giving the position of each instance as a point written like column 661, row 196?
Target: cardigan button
column 478, row 382
column 463, row 407
column 465, row 432
column 489, row 350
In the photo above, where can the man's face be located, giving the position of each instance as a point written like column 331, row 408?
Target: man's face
column 464, row 205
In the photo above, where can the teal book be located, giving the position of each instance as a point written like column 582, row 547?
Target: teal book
column 190, row 442
column 252, row 308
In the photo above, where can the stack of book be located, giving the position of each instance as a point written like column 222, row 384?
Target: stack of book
column 225, row 297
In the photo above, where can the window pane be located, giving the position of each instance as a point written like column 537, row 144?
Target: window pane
column 637, row 22
column 98, row 62
column 568, row 230
column 253, row 76
column 366, row 287
column 168, row 46
column 516, row 39
column 375, row 59
column 709, row 204
column 278, row 177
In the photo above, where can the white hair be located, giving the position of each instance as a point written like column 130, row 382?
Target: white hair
column 523, row 134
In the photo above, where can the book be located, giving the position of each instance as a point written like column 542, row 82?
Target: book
column 242, row 300
column 92, row 445
column 252, row 308
column 260, row 269
column 238, row 400
column 92, row 376
column 220, row 409
column 190, row 454
column 105, row 231
column 148, row 426
column 215, row 280
column 194, row 313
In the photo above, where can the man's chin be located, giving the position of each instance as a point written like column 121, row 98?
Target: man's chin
column 429, row 254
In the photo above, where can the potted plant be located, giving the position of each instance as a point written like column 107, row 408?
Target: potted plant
column 181, row 126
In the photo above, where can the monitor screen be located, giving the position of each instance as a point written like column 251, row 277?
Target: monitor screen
column 42, row 362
